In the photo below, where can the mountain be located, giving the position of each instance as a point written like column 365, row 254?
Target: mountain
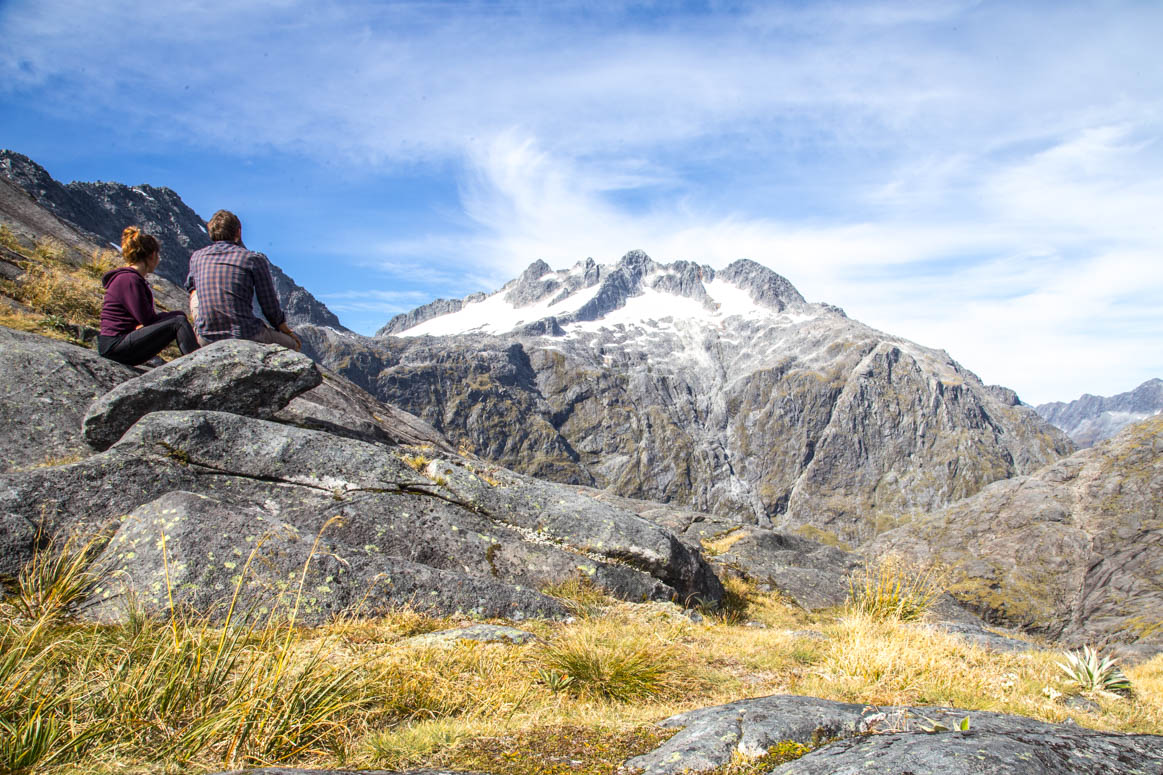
column 1073, row 551
column 723, row 391
column 105, row 209
column 1091, row 419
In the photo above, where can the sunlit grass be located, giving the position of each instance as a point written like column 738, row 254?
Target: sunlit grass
column 150, row 695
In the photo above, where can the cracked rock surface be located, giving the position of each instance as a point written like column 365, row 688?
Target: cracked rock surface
column 456, row 536
column 45, row 388
column 897, row 740
column 233, row 375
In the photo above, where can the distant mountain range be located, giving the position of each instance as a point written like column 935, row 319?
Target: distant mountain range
column 1091, row 419
column 723, row 390
column 732, row 399
column 103, row 210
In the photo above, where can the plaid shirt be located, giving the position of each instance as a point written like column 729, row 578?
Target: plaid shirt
column 227, row 277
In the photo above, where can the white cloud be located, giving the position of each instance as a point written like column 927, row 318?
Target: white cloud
column 985, row 177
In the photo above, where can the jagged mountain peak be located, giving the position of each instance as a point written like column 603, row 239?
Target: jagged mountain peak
column 635, row 290
column 1090, row 419
column 104, row 208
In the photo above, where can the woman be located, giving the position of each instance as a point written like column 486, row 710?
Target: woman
column 132, row 331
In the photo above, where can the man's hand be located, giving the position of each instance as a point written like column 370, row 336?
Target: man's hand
column 287, row 330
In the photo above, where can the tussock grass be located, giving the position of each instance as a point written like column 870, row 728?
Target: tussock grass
column 893, row 588
column 153, row 695
column 60, row 295
column 53, row 287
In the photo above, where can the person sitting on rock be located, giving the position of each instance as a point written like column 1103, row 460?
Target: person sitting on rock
column 224, row 278
column 132, row 331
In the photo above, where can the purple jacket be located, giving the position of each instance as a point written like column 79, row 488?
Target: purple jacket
column 128, row 303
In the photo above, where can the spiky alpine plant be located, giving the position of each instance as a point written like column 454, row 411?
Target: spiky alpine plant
column 1094, row 672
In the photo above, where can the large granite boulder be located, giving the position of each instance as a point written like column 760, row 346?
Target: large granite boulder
column 45, row 388
column 233, row 375
column 378, row 516
column 197, row 553
column 1074, row 551
column 895, row 740
column 340, row 407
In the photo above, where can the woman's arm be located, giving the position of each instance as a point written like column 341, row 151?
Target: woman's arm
column 138, row 300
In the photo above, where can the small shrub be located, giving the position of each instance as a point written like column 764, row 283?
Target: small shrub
column 9, row 240
column 65, row 292
column 895, row 589
column 1093, row 672
column 416, row 462
column 736, row 605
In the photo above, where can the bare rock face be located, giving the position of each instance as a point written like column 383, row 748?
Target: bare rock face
column 234, row 375
column 717, row 391
column 904, row 740
column 1091, row 419
column 45, row 388
column 1074, row 550
column 417, row 525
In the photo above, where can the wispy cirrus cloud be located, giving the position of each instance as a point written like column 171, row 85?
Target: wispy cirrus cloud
column 978, row 176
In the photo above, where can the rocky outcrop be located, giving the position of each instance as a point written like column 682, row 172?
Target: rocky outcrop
column 1072, row 551
column 233, row 375
column 1091, row 419
column 218, row 553
column 45, row 388
column 340, row 407
column 407, row 320
column 721, row 392
column 443, row 534
column 104, row 209
column 860, row 738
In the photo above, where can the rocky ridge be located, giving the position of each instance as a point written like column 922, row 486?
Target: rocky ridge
column 1073, row 550
column 1091, row 419
column 104, row 209
column 720, row 391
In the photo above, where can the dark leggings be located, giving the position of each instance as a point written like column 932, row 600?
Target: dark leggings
column 139, row 346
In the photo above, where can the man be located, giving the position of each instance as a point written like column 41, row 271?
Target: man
column 224, row 278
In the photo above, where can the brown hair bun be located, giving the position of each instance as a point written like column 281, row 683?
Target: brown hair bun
column 137, row 246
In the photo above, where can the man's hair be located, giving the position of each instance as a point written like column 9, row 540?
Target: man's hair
column 224, row 226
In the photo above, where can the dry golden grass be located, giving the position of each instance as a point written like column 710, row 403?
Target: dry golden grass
column 150, row 696
column 59, row 295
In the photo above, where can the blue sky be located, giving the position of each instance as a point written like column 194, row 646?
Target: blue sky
column 984, row 177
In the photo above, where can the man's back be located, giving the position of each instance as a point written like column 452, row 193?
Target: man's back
column 226, row 277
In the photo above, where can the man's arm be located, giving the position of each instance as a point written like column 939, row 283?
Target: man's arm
column 264, row 288
column 268, row 299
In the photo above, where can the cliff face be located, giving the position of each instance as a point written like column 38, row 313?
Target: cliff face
column 1072, row 551
column 1091, row 419
column 721, row 391
column 105, row 209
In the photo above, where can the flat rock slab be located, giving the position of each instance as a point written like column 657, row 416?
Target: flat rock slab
column 563, row 514
column 893, row 740
column 479, row 633
column 235, row 375
column 208, row 544
column 341, row 407
column 45, row 388
column 1020, row 751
